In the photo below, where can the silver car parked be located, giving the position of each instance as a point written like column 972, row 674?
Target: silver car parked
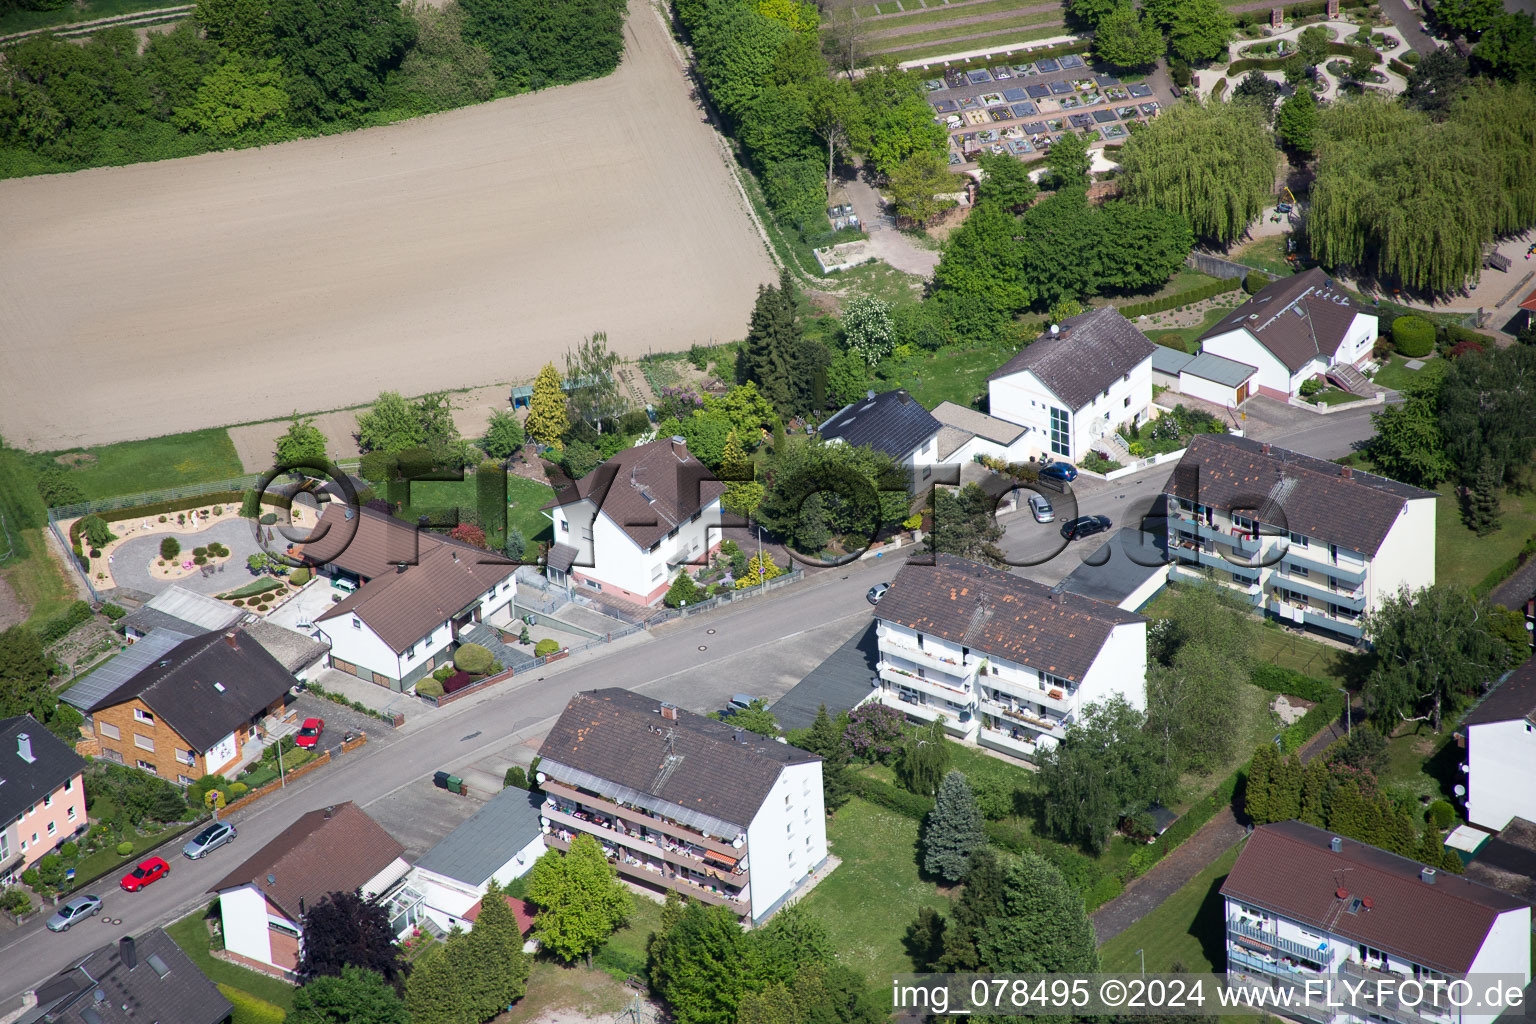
column 72, row 911
column 208, row 840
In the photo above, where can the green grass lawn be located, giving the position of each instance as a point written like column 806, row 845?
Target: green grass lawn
column 134, row 466
column 1266, row 254
column 1185, row 931
column 1183, row 338
column 80, row 10
column 191, row 934
column 950, row 375
column 1333, row 396
column 1395, row 374
column 524, row 499
column 998, row 40
column 1420, row 764
column 1259, row 724
column 1301, row 654
column 37, row 578
column 1463, row 557
column 867, row 903
column 915, row 16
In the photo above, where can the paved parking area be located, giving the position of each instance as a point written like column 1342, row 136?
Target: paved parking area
column 421, row 814
column 339, row 720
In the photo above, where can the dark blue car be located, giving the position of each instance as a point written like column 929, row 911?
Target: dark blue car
column 1084, row 526
column 1059, row 471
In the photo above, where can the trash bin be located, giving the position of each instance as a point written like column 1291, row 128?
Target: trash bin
column 443, row 780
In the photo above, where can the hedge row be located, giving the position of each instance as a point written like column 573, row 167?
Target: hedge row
column 1021, row 57
column 1399, row 67
column 59, row 626
column 1294, row 12
column 251, row 1010
column 1505, row 569
column 1308, row 725
column 1184, row 298
column 892, row 798
column 1219, row 90
column 1190, row 822
column 1288, row 681
column 1413, row 335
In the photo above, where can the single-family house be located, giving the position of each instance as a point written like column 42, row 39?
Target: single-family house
column 684, row 803
column 409, row 594
column 1089, row 376
column 191, row 711
column 894, row 423
column 42, row 794
column 136, row 980
column 262, row 903
column 627, row 527
column 498, row 842
column 1302, row 907
column 1499, row 735
column 1293, row 329
column 1310, row 542
column 1000, row 660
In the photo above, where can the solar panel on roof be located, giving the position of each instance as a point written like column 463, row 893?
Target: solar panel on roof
column 112, row 674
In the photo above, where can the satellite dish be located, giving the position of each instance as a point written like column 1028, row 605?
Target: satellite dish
column 1459, row 790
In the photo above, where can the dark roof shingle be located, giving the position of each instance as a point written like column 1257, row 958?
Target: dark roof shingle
column 1287, row 489
column 1511, row 699
column 23, row 784
column 894, row 423
column 1093, row 350
column 1289, row 868
column 1296, row 318
column 162, row 986
column 619, row 736
column 330, row 849
column 1011, row 617
column 648, row 490
column 208, row 686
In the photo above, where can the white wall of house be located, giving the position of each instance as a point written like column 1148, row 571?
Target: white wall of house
column 221, row 754
column 1359, row 339
column 1021, row 398
column 353, row 641
column 1506, row 950
column 573, row 526
column 625, row 569
column 787, row 839
column 243, row 912
column 1024, row 399
column 1209, row 390
column 1025, row 445
column 1119, row 670
column 1501, row 761
column 920, row 461
column 1406, row 556
column 1243, row 347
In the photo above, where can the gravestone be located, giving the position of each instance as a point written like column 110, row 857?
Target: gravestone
column 1277, row 18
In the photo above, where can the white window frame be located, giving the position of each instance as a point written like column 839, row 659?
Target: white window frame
column 140, row 715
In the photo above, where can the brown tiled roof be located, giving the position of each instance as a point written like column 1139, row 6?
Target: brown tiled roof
column 1296, row 318
column 330, row 849
column 1288, row 868
column 1093, row 350
column 999, row 613
column 620, row 737
column 404, row 606
column 208, row 686
column 365, row 542
column 1298, row 492
column 522, row 910
column 648, row 490
column 1511, row 700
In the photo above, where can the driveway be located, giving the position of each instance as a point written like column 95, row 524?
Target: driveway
column 889, row 243
column 339, row 720
column 1407, row 23
column 132, row 559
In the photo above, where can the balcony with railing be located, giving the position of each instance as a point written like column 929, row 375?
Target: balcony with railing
column 1007, row 693
column 1346, row 597
column 1262, row 977
column 1317, row 560
column 686, row 856
column 900, row 646
column 955, row 722
column 1018, row 742
column 927, row 683
column 650, row 820
column 1015, row 716
column 653, row 874
column 1239, row 539
column 1310, row 615
column 1391, row 1008
column 1238, row 928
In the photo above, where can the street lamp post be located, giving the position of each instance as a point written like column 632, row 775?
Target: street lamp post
column 1349, row 728
column 1143, row 955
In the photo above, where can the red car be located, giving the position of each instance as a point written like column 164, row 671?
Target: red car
column 148, row 871
column 309, row 734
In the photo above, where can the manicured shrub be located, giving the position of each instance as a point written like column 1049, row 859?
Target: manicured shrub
column 430, row 687
column 516, row 777
column 1255, row 281
column 113, row 611
column 238, row 602
column 170, row 547
column 237, row 790
column 199, row 552
column 442, row 674
column 1440, row 814
column 124, row 849
column 268, row 518
column 377, row 467
column 299, row 577
column 545, row 647
column 199, row 559
column 162, row 519
column 262, row 607
column 472, row 658
column 95, row 552
column 218, row 510
column 1413, row 335
column 251, row 1010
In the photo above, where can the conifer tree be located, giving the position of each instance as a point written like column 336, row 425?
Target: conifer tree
column 953, row 831
column 547, row 413
column 1285, row 794
column 1257, row 792
column 1041, row 926
column 1483, row 500
column 826, row 739
column 1314, row 793
column 772, row 348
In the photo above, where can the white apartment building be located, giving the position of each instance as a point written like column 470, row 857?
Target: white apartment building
column 1312, row 543
column 626, row 528
column 682, row 802
column 1089, row 377
column 999, row 660
column 1500, row 739
column 1292, row 330
column 1302, row 905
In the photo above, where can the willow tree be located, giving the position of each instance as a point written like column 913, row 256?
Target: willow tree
column 1503, row 117
column 1393, row 188
column 1214, row 163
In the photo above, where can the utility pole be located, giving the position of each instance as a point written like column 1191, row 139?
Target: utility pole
column 1349, row 729
column 1143, row 955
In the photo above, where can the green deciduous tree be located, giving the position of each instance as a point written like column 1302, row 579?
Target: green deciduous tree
column 736, row 48
column 1257, row 88
column 537, row 43
column 579, row 897
column 1200, row 30
column 243, row 26
column 355, row 996
column 1005, row 182
column 1214, row 163
column 548, row 415
column 336, row 54
column 920, row 185
column 1408, row 444
column 953, row 831
column 1508, row 48
column 796, row 191
column 443, row 69
column 1141, row 247
column 345, row 929
column 237, row 98
column 1484, row 412
column 964, row 524
column 819, row 490
column 896, row 122
column 1089, row 13
column 924, row 760
column 1433, row 651
column 1128, row 40
column 1069, row 161
column 595, row 395
column 301, row 443
column 1297, row 123
column 23, row 675
column 1040, row 924
column 390, row 425
column 1107, row 766
column 756, row 717
column 868, row 328
column 1467, row 17
column 503, row 435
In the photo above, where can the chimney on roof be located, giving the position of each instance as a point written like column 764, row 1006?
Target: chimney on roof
column 329, row 811
column 232, row 640
column 739, row 737
column 1265, row 448
column 1427, row 876
column 669, row 712
column 903, row 397
column 679, row 448
column 127, row 953
column 24, row 748
column 1349, row 473
column 1336, row 844
column 399, row 567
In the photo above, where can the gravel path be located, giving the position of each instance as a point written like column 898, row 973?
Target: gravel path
column 889, row 244
column 132, row 559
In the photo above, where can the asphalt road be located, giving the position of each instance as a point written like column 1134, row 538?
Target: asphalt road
column 697, row 663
